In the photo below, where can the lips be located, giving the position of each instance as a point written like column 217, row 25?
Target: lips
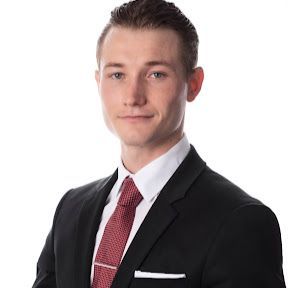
column 135, row 114
column 135, row 118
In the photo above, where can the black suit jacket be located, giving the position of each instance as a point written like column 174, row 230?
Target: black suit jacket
column 201, row 225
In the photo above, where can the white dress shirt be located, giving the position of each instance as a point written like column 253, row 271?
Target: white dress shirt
column 149, row 180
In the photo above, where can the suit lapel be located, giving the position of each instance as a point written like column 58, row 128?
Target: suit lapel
column 159, row 217
column 87, row 227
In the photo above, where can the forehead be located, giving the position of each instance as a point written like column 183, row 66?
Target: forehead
column 129, row 45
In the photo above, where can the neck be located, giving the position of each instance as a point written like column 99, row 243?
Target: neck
column 136, row 157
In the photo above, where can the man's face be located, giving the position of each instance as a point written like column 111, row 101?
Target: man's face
column 143, row 86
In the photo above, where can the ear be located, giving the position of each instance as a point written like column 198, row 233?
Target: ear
column 195, row 81
column 97, row 77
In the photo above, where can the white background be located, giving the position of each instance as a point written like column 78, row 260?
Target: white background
column 53, row 137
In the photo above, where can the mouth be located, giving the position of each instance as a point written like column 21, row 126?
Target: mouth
column 135, row 118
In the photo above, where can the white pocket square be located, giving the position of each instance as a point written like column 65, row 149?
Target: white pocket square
column 154, row 275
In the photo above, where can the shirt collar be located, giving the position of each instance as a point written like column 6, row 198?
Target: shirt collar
column 151, row 178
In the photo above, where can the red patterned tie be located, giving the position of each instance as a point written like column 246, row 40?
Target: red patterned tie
column 115, row 236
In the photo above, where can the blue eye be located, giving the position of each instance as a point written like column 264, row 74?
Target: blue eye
column 117, row 76
column 158, row 75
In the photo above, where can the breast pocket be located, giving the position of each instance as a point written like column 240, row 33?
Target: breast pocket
column 159, row 283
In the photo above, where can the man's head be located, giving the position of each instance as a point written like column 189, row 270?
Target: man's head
column 143, row 79
column 153, row 14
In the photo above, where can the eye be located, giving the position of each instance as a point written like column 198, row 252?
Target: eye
column 117, row 75
column 158, row 75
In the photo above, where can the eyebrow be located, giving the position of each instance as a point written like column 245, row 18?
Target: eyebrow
column 160, row 63
column 149, row 64
column 113, row 64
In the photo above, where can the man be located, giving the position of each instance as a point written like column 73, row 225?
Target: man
column 164, row 218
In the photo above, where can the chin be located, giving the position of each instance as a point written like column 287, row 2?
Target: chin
column 130, row 136
column 133, row 142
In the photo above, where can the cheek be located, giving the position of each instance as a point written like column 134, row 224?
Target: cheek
column 108, row 98
column 174, row 101
column 108, row 105
column 109, row 113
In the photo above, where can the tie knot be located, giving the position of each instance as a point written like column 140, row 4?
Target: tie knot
column 130, row 195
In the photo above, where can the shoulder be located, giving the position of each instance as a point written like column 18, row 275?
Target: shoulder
column 228, row 203
column 245, row 234
column 223, row 193
column 88, row 190
column 235, row 214
column 217, row 201
column 72, row 201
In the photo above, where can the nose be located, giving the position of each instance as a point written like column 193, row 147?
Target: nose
column 135, row 94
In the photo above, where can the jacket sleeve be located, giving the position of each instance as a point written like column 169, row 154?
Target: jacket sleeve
column 46, row 274
column 247, row 251
column 46, row 266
